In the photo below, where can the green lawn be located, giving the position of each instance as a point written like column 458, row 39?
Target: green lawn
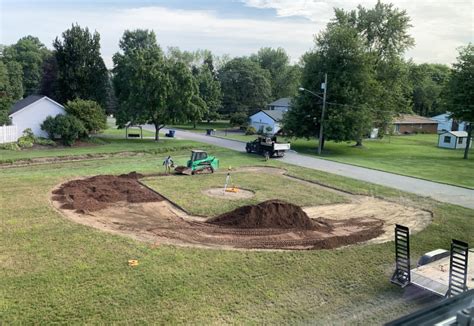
column 56, row 271
column 413, row 155
column 264, row 185
column 202, row 126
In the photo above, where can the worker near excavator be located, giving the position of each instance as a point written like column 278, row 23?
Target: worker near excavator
column 168, row 163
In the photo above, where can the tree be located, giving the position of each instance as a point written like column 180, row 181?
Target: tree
column 383, row 30
column 351, row 87
column 30, row 53
column 428, row 82
column 460, row 91
column 5, row 96
column 49, row 78
column 239, row 119
column 81, row 70
column 284, row 78
column 209, row 91
column 89, row 112
column 245, row 86
column 150, row 87
column 361, row 51
column 15, row 89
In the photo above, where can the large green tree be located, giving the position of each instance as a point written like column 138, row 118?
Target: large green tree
column 427, row 82
column 149, row 86
column 209, row 90
column 245, row 86
column 5, row 96
column 81, row 70
column 460, row 90
column 284, row 78
column 361, row 51
column 30, row 53
column 350, row 87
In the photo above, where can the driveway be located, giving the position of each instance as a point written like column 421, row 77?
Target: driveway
column 438, row 191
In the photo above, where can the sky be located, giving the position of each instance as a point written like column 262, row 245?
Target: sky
column 233, row 27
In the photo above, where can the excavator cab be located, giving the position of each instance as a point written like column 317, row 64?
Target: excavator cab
column 196, row 155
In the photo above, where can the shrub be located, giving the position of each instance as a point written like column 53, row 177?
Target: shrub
column 89, row 112
column 10, row 147
column 250, row 131
column 68, row 127
column 49, row 126
column 45, row 142
column 25, row 142
column 269, row 129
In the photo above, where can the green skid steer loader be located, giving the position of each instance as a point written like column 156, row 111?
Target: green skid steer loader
column 200, row 162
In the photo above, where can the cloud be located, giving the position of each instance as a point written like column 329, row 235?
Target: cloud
column 439, row 26
column 187, row 29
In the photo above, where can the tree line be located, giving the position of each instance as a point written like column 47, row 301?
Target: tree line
column 361, row 50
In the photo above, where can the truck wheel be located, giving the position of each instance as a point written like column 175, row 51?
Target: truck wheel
column 247, row 148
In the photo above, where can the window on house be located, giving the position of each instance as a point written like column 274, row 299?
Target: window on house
column 460, row 140
column 447, row 139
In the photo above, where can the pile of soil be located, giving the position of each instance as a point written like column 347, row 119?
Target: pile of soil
column 96, row 193
column 270, row 214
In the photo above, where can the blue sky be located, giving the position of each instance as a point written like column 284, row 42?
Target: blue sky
column 234, row 27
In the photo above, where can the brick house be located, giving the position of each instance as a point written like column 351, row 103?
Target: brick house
column 412, row 123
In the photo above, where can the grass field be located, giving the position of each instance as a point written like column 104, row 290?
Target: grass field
column 265, row 186
column 413, row 155
column 55, row 271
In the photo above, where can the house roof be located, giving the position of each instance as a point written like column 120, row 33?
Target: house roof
column 274, row 114
column 27, row 101
column 413, row 119
column 284, row 101
column 458, row 134
column 21, row 104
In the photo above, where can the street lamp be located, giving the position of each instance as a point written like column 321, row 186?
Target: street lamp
column 323, row 87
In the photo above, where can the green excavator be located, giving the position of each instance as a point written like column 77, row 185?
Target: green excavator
column 200, row 162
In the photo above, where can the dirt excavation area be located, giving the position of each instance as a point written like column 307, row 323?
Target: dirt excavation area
column 123, row 205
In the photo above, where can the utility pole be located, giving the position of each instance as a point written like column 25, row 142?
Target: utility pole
column 324, row 87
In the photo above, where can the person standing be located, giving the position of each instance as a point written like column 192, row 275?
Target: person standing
column 168, row 163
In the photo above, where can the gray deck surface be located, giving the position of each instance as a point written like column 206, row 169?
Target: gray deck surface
column 435, row 276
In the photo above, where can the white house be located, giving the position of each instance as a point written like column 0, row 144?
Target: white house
column 453, row 139
column 282, row 104
column 267, row 118
column 445, row 123
column 31, row 111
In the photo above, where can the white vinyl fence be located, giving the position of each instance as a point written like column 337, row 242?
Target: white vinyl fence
column 8, row 134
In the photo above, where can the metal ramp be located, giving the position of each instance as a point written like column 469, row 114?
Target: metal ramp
column 402, row 276
column 458, row 264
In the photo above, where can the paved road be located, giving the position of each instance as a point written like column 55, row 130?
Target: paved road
column 441, row 192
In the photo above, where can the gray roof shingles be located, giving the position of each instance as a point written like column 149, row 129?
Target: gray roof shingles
column 24, row 103
column 284, row 101
column 274, row 114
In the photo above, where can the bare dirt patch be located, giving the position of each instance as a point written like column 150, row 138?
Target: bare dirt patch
column 220, row 193
column 120, row 204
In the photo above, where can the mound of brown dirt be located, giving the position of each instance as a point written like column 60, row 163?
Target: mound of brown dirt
column 270, row 214
column 95, row 193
